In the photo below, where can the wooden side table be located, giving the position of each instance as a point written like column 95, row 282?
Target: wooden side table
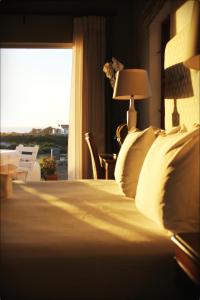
column 187, row 254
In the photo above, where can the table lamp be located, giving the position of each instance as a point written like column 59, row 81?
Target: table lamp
column 132, row 84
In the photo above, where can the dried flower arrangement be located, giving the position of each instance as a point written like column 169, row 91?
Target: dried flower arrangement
column 110, row 69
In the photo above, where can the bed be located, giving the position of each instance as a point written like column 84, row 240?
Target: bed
column 82, row 240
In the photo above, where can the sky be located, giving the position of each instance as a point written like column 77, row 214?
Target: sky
column 35, row 88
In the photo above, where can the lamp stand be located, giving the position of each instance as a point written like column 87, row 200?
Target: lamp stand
column 131, row 115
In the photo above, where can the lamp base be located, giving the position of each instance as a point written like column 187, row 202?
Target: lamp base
column 131, row 116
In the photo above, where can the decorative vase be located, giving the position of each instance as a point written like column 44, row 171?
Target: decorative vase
column 51, row 177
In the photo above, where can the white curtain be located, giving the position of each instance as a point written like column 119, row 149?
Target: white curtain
column 87, row 104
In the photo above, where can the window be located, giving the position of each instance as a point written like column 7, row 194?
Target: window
column 35, row 99
column 35, row 88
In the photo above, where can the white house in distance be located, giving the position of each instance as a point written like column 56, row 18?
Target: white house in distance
column 62, row 129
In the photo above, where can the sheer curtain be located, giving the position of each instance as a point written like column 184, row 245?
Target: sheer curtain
column 87, row 105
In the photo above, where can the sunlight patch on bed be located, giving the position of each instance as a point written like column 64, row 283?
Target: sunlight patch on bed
column 108, row 186
column 87, row 217
column 135, row 222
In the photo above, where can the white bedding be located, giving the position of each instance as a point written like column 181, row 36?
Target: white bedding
column 82, row 240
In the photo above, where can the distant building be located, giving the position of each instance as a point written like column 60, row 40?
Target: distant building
column 56, row 131
column 62, row 129
column 65, row 129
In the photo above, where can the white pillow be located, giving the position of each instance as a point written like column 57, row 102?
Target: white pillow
column 130, row 159
column 168, row 186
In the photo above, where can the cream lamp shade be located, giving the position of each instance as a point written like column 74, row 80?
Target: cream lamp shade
column 132, row 84
column 184, row 47
column 193, row 44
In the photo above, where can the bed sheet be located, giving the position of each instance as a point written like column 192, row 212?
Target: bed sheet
column 81, row 240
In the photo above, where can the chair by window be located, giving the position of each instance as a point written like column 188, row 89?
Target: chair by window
column 28, row 167
column 103, row 164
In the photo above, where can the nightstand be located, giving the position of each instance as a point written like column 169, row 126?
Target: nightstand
column 187, row 254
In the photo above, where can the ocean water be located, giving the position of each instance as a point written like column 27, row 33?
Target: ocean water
column 17, row 129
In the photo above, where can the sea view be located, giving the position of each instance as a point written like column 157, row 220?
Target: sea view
column 17, row 129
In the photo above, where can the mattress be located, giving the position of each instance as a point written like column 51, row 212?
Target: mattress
column 82, row 240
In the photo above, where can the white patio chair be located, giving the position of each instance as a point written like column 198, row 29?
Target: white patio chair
column 28, row 169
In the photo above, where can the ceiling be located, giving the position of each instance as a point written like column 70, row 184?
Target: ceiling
column 70, row 7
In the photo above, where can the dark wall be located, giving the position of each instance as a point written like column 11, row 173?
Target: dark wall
column 34, row 28
column 142, row 50
column 121, row 44
column 52, row 22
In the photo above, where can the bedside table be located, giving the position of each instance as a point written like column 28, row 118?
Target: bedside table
column 187, row 254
